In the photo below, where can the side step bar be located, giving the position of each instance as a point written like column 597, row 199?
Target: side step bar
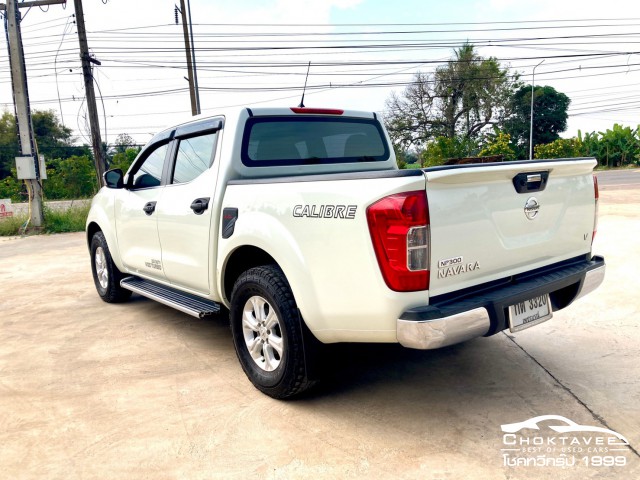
column 189, row 304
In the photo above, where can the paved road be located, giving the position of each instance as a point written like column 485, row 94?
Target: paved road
column 138, row 390
column 619, row 179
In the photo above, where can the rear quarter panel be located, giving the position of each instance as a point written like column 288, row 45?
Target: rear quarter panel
column 329, row 262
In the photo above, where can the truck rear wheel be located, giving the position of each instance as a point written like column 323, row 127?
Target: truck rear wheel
column 106, row 275
column 267, row 332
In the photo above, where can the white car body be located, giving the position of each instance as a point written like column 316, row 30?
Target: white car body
column 479, row 234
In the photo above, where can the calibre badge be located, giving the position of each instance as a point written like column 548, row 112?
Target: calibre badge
column 325, row 211
column 531, row 208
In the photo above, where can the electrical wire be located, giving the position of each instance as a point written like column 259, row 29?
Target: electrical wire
column 55, row 69
column 360, row 51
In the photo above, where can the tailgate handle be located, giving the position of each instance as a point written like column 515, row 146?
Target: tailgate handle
column 528, row 182
column 536, row 177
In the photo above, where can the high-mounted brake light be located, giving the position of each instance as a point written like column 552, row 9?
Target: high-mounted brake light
column 317, row 111
column 399, row 228
column 596, row 195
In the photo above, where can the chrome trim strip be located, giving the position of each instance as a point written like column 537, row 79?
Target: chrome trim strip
column 441, row 332
column 592, row 280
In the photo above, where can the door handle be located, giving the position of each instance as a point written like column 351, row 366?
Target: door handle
column 199, row 205
column 149, row 207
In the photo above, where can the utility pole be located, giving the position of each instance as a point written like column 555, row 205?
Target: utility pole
column 187, row 48
column 28, row 164
column 193, row 56
column 87, row 60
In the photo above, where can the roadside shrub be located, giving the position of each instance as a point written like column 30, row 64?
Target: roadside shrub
column 73, row 219
column 10, row 226
column 561, row 148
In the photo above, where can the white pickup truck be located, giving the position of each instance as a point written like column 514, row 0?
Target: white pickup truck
column 300, row 223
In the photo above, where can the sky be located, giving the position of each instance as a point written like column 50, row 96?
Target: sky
column 257, row 52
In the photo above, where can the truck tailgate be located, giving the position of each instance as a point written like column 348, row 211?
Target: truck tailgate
column 483, row 229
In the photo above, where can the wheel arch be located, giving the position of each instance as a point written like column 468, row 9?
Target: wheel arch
column 240, row 260
column 92, row 229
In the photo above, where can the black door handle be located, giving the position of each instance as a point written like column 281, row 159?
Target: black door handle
column 199, row 205
column 149, row 207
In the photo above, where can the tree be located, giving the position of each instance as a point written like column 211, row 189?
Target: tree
column 73, row 177
column 498, row 143
column 460, row 98
column 560, row 148
column 52, row 138
column 123, row 160
column 9, row 149
column 549, row 117
column 441, row 149
column 123, row 142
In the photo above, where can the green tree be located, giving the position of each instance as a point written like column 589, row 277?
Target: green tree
column 53, row 139
column 498, row 143
column 460, row 98
column 123, row 160
column 14, row 189
column 123, row 142
column 441, row 149
column 560, row 148
column 549, row 117
column 70, row 178
column 9, row 149
column 620, row 146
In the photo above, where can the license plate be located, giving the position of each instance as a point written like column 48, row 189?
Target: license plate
column 529, row 313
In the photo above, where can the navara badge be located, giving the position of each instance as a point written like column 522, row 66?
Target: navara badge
column 531, row 208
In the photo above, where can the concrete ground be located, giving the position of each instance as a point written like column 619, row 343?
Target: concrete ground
column 91, row 390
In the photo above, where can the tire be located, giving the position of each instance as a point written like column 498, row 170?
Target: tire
column 268, row 333
column 106, row 275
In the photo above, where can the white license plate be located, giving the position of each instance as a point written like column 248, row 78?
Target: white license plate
column 529, row 313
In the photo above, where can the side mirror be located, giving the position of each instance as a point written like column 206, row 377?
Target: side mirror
column 113, row 178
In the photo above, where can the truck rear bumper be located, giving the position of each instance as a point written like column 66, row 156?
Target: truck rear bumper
column 483, row 310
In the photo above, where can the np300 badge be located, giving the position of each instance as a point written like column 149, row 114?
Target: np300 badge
column 531, row 208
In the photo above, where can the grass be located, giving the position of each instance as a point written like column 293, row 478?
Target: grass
column 72, row 219
column 10, row 226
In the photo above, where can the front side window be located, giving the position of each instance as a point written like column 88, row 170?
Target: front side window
column 272, row 141
column 195, row 155
column 149, row 174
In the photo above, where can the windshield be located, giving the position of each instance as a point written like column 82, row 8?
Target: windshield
column 271, row 141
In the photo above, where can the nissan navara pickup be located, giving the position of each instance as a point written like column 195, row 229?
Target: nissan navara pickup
column 299, row 222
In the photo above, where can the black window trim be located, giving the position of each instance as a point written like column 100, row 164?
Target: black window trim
column 170, row 136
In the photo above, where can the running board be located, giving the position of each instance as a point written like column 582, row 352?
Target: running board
column 189, row 304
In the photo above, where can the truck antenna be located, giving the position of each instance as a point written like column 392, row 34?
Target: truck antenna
column 305, row 86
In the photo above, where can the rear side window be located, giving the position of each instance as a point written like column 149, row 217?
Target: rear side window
column 274, row 141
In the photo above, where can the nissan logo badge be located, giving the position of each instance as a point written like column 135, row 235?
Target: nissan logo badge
column 531, row 208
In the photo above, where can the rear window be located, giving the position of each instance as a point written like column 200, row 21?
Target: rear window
column 273, row 141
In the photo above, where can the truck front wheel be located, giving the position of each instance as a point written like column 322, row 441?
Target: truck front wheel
column 267, row 332
column 106, row 275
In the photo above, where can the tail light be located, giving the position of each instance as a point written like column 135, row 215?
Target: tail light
column 399, row 228
column 596, row 194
